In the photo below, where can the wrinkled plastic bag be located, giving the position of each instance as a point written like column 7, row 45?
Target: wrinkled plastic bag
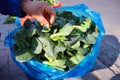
column 38, row 71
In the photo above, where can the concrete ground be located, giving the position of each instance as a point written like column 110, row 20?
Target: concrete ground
column 107, row 66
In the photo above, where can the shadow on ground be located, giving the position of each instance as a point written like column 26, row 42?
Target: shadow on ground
column 110, row 54
column 109, row 50
column 117, row 77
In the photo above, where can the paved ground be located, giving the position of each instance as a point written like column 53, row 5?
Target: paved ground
column 107, row 66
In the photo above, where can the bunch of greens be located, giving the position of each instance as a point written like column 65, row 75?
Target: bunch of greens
column 9, row 20
column 61, row 46
column 51, row 2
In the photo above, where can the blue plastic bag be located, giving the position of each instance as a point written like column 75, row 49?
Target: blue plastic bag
column 38, row 71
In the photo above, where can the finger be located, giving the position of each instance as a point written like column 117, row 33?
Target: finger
column 51, row 14
column 43, row 21
column 52, row 18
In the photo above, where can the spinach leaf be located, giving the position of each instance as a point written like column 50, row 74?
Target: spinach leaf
column 36, row 46
column 62, row 33
column 47, row 47
column 62, row 46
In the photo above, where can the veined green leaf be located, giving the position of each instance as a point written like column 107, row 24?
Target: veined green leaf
column 47, row 47
column 90, row 39
column 49, row 58
column 76, row 45
column 9, row 20
column 31, row 31
column 61, row 21
column 62, row 33
column 74, row 60
column 69, row 27
column 86, row 45
column 36, row 46
column 58, row 49
column 56, row 38
column 20, row 39
column 85, row 26
column 87, row 23
column 95, row 34
column 82, row 51
column 29, row 28
column 77, row 58
column 69, row 53
column 72, row 39
column 59, row 64
column 45, row 29
column 23, row 56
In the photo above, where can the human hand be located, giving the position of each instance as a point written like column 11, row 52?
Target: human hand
column 39, row 10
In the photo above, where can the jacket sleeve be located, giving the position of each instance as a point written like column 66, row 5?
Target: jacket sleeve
column 11, row 7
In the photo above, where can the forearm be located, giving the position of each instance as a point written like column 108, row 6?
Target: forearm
column 26, row 6
column 30, row 7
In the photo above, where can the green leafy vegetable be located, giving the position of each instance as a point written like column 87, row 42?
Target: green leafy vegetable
column 51, row 2
column 61, row 46
column 36, row 46
column 22, row 54
column 62, row 33
column 9, row 20
column 85, row 25
column 76, row 45
column 47, row 47
column 77, row 58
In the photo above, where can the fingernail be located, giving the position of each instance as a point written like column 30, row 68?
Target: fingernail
column 41, row 24
column 47, row 25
